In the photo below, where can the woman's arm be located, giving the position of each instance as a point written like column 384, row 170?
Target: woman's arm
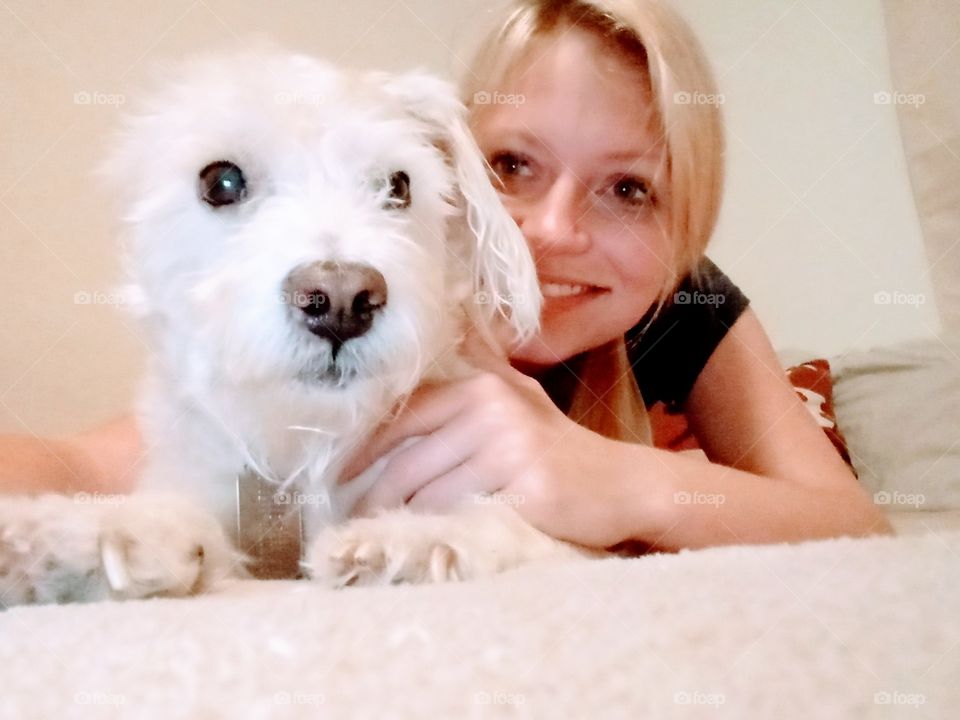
column 774, row 475
column 500, row 432
column 101, row 460
column 700, row 504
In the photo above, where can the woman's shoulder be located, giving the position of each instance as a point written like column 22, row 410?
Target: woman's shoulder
column 668, row 353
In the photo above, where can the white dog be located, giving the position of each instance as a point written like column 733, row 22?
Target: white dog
column 307, row 245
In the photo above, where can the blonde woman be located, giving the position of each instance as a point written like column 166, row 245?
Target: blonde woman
column 615, row 182
column 584, row 111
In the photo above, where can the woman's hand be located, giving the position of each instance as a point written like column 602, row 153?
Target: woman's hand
column 499, row 432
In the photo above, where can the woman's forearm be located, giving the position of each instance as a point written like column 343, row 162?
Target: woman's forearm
column 102, row 460
column 31, row 466
column 699, row 504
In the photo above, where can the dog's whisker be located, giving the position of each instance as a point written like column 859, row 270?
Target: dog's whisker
column 318, row 431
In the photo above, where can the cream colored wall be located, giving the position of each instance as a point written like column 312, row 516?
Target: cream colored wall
column 818, row 218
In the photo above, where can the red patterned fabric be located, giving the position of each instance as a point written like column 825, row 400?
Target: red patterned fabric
column 813, row 385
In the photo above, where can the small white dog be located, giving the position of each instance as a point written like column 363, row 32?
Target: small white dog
column 307, row 246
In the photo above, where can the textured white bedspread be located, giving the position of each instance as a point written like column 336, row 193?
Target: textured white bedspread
column 836, row 629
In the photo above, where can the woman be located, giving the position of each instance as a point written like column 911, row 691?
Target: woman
column 585, row 113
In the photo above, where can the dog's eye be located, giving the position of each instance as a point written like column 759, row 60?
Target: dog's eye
column 399, row 190
column 222, row 183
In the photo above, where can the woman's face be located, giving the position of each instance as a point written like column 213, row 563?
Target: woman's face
column 570, row 136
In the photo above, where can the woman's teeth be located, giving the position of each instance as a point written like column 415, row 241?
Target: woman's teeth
column 559, row 290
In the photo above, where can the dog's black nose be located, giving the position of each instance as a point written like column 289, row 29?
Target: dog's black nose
column 337, row 299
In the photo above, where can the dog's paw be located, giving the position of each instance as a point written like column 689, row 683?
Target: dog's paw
column 49, row 551
column 165, row 546
column 477, row 540
column 391, row 548
column 56, row 549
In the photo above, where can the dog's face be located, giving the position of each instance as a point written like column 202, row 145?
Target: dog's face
column 293, row 222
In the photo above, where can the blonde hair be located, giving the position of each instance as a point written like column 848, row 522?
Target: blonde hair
column 605, row 396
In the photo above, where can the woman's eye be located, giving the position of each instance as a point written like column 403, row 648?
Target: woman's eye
column 222, row 183
column 632, row 190
column 508, row 165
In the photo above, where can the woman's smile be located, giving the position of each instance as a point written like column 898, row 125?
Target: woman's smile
column 560, row 296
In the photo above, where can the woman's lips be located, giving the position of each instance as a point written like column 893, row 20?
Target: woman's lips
column 552, row 289
column 561, row 296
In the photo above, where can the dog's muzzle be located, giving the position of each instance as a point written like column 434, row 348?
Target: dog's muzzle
column 336, row 301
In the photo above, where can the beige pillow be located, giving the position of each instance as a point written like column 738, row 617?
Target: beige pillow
column 899, row 408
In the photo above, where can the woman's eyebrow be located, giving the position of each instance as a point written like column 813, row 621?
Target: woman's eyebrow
column 648, row 156
column 637, row 158
column 526, row 137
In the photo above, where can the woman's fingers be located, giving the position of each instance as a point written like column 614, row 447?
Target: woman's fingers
column 427, row 409
column 432, row 406
column 414, row 467
column 449, row 491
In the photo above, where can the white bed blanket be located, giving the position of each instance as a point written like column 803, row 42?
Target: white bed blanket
column 834, row 629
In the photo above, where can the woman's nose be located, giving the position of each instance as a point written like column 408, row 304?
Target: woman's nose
column 552, row 223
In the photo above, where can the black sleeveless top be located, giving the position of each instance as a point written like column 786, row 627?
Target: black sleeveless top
column 667, row 358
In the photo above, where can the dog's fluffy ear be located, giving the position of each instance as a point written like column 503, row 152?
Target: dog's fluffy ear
column 504, row 275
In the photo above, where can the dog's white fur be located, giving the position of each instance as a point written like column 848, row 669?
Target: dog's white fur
column 234, row 378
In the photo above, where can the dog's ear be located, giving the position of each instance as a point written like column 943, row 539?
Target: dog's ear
column 504, row 275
